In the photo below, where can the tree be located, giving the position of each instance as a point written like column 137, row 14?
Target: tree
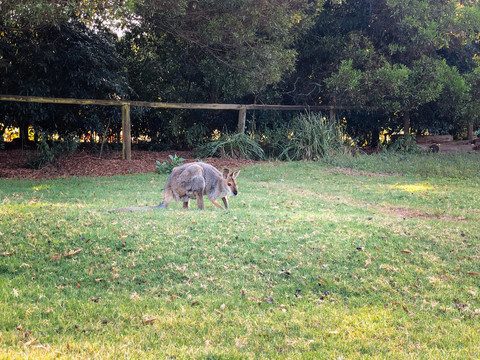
column 30, row 15
column 66, row 61
column 388, row 58
column 250, row 42
column 209, row 51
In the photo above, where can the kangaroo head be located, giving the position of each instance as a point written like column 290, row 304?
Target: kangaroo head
column 230, row 181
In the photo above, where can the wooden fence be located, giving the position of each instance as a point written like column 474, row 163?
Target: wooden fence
column 126, row 104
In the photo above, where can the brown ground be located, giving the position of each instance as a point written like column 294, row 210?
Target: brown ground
column 12, row 164
column 445, row 143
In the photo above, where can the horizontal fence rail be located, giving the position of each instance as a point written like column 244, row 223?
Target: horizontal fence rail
column 126, row 104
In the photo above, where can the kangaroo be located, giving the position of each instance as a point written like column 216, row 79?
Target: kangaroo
column 193, row 181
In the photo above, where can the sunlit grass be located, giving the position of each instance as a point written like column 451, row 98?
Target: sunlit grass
column 310, row 262
column 413, row 187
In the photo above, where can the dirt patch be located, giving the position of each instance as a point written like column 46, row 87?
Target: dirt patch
column 12, row 164
column 445, row 144
column 414, row 214
column 353, row 172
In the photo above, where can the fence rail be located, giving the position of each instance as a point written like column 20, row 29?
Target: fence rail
column 126, row 104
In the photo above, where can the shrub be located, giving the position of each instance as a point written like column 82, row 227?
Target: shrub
column 312, row 137
column 405, row 144
column 166, row 167
column 236, row 146
column 49, row 152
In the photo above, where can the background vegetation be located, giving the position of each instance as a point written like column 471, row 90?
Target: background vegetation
column 396, row 65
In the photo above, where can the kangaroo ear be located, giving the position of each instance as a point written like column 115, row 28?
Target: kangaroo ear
column 225, row 173
column 235, row 174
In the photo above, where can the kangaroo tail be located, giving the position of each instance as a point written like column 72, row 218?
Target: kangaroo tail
column 136, row 208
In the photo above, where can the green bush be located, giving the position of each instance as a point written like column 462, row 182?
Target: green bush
column 49, row 152
column 236, row 146
column 166, row 167
column 312, row 137
column 273, row 140
column 404, row 144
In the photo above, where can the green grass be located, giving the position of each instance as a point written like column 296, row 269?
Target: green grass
column 312, row 261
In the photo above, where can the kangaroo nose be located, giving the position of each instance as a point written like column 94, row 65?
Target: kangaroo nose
column 235, row 192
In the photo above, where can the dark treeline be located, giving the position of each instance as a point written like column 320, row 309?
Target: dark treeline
column 408, row 65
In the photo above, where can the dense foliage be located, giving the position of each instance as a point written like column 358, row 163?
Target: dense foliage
column 394, row 64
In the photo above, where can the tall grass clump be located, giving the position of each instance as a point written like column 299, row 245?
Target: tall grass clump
column 235, row 146
column 313, row 137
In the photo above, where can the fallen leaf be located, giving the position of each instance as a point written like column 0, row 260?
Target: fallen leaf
column 30, row 342
column 70, row 253
column 41, row 347
column 73, row 252
column 405, row 251
column 473, row 273
column 149, row 321
column 221, row 313
column 241, row 342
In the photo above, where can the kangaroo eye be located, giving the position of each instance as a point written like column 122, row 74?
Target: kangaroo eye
column 229, row 184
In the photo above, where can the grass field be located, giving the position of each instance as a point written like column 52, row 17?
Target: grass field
column 375, row 257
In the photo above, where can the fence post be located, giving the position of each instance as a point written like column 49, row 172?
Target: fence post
column 127, row 133
column 333, row 114
column 242, row 117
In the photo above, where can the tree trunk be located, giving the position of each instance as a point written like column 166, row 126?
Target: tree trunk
column 242, row 117
column 406, row 122
column 470, row 131
column 24, row 134
column 375, row 138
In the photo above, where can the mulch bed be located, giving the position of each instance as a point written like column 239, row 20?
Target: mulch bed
column 13, row 164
